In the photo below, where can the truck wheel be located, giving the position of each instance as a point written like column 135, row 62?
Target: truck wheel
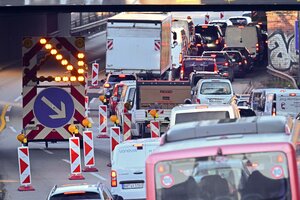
column 46, row 144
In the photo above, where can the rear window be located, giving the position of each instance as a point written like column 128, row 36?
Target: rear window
column 215, row 88
column 235, row 55
column 219, row 57
column 119, row 78
column 198, row 116
column 131, row 156
column 210, row 33
column 200, row 65
column 79, row 195
column 243, row 176
column 239, row 21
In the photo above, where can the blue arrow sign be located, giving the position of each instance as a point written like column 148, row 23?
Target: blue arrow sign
column 53, row 107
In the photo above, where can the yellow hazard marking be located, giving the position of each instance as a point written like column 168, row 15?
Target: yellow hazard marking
column 2, row 118
column 9, row 181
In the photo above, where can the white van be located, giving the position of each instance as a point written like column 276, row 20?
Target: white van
column 246, row 36
column 275, row 101
column 197, row 112
column 128, row 175
column 213, row 91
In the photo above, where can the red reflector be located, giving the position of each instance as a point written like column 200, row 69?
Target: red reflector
column 198, row 101
column 122, row 75
column 293, row 94
column 213, row 55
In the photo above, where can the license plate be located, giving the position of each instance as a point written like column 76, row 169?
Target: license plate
column 133, row 185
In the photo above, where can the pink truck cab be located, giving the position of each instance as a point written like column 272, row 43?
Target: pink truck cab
column 251, row 158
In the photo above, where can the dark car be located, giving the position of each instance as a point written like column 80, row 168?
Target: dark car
column 245, row 52
column 205, row 65
column 198, row 44
column 241, row 63
column 224, row 63
column 213, row 36
column 113, row 79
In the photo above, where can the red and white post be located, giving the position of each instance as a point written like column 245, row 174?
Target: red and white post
column 88, row 152
column 102, row 122
column 24, row 169
column 206, row 20
column 86, row 99
column 95, row 71
column 155, row 129
column 114, row 139
column 127, row 126
column 75, row 160
column 221, row 15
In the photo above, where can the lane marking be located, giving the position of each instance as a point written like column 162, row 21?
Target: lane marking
column 13, row 129
column 18, row 98
column 7, row 118
column 92, row 101
column 91, row 120
column 98, row 176
column 2, row 118
column 47, row 151
column 65, row 160
column 9, row 108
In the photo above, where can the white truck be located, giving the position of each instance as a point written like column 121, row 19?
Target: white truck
column 139, row 43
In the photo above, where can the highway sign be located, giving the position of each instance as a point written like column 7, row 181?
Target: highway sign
column 53, row 107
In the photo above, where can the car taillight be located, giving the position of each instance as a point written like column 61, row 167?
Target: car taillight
column 106, row 85
column 217, row 41
column 198, row 45
column 182, row 72
column 113, row 175
column 216, row 68
column 180, row 58
column 257, row 47
column 226, row 64
column 198, row 101
column 245, row 61
column 274, row 112
column 240, row 63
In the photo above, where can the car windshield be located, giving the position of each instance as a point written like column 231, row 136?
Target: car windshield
column 201, row 65
column 76, row 195
column 119, row 78
column 208, row 32
column 245, row 176
column 236, row 56
column 198, row 116
column 215, row 88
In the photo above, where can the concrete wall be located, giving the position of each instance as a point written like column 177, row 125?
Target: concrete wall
column 281, row 42
column 13, row 27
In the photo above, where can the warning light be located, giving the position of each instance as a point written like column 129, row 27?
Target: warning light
column 80, row 71
column 59, row 57
column 80, row 78
column 80, row 55
column 43, row 41
column 73, row 78
column 57, row 78
column 53, row 51
column 70, row 67
column 64, row 62
column 65, row 78
column 48, row 46
column 80, row 63
column 280, row 158
column 161, row 169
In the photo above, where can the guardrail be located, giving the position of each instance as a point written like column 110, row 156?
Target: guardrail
column 87, row 29
column 282, row 75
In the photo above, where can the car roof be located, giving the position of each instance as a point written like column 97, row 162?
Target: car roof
column 76, row 187
column 214, row 80
column 143, row 141
column 248, row 130
column 201, row 107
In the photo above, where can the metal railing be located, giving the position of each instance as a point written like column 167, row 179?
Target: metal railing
column 283, row 76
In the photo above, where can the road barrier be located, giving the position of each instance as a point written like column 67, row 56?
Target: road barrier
column 102, row 122
column 155, row 129
column 127, row 126
column 86, row 99
column 24, row 169
column 114, row 139
column 88, row 152
column 95, row 72
column 75, row 160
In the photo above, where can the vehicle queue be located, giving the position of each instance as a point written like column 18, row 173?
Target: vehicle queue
column 212, row 148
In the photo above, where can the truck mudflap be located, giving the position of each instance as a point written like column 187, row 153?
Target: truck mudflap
column 143, row 115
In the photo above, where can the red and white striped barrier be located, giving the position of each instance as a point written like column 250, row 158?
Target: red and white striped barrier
column 86, row 101
column 127, row 126
column 110, row 44
column 24, row 169
column 88, row 152
column 221, row 15
column 206, row 19
column 95, row 71
column 114, row 139
column 75, row 160
column 155, row 129
column 102, row 122
column 157, row 45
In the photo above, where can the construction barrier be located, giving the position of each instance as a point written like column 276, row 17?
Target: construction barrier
column 75, row 160
column 155, row 129
column 127, row 126
column 206, row 21
column 114, row 139
column 86, row 105
column 102, row 122
column 24, row 169
column 88, row 152
column 95, row 71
